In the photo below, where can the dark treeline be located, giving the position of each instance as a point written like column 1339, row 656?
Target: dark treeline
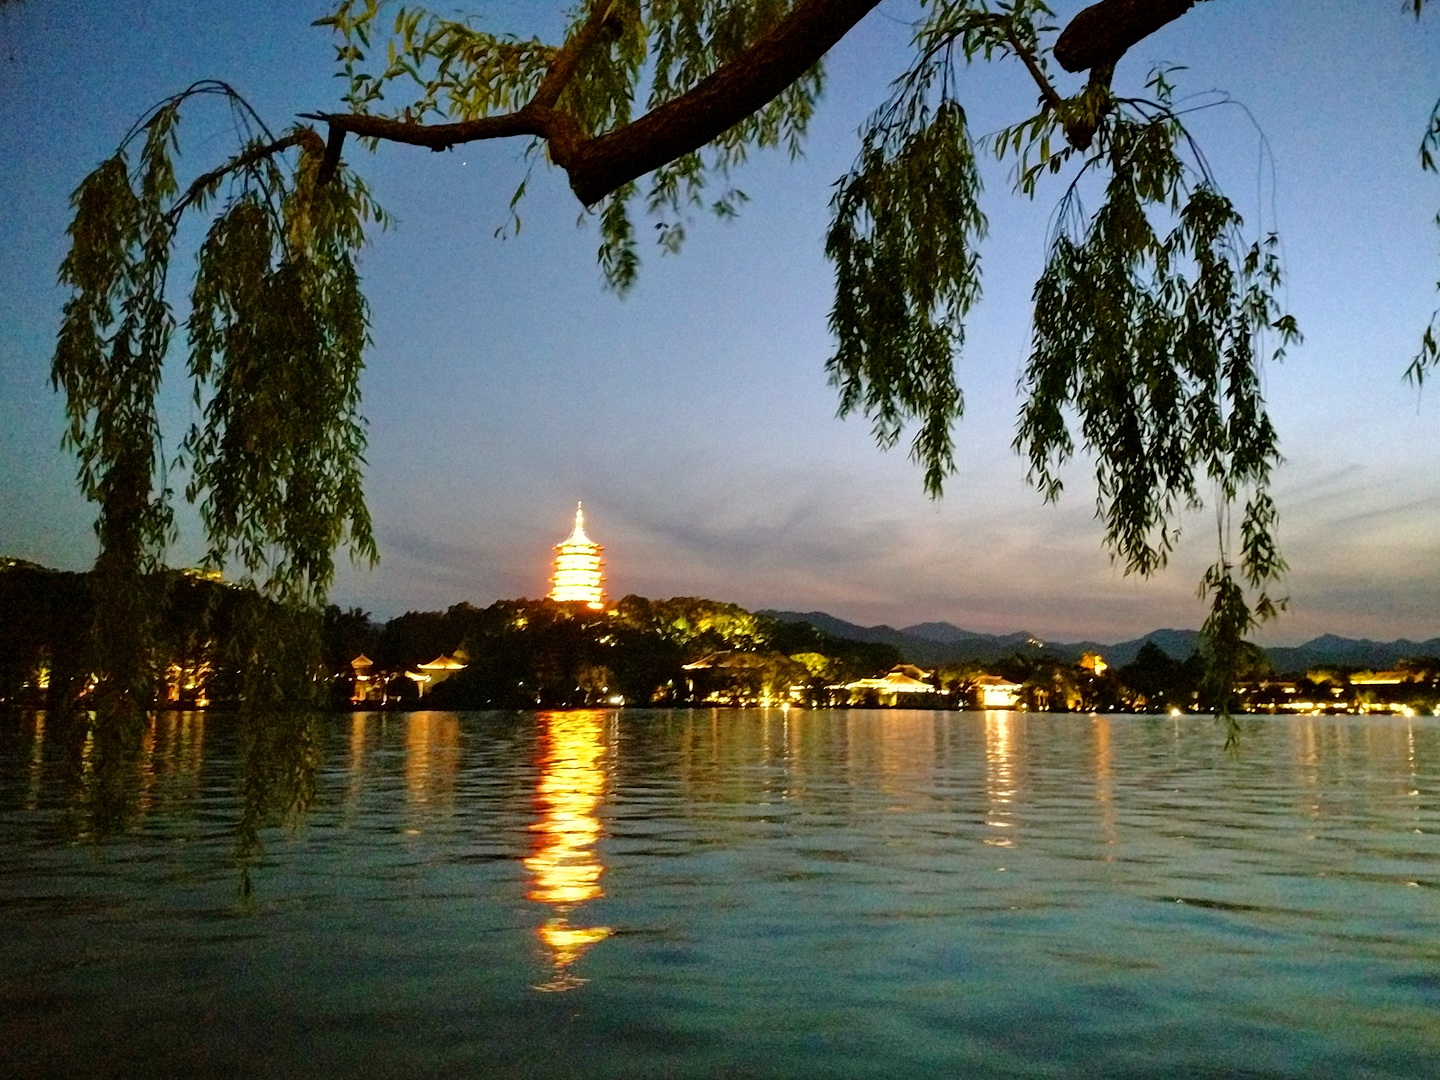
column 48, row 649
column 524, row 653
column 527, row 653
column 518, row 653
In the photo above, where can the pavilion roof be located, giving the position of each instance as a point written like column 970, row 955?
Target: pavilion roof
column 895, row 682
column 443, row 663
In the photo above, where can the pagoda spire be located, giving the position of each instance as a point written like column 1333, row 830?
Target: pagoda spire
column 578, row 536
column 578, row 576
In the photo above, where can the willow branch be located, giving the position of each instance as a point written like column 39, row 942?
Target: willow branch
column 305, row 137
column 1048, row 92
column 1102, row 33
column 567, row 59
column 599, row 165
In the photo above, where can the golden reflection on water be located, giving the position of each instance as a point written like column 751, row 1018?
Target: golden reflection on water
column 1306, row 751
column 37, row 765
column 730, row 757
column 900, row 748
column 432, row 765
column 1328, row 752
column 1000, row 788
column 117, row 776
column 355, row 764
column 1104, row 784
column 564, row 867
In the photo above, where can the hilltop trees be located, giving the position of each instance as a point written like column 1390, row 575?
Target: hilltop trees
column 1153, row 313
column 527, row 652
column 1161, row 681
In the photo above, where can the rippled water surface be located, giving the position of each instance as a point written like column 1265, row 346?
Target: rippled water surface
column 728, row 894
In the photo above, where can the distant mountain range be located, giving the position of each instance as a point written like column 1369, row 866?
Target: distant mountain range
column 942, row 642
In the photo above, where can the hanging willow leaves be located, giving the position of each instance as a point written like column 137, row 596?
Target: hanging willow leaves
column 1429, row 355
column 1149, row 337
column 906, row 272
column 1148, row 317
column 277, row 334
column 108, row 360
column 277, row 330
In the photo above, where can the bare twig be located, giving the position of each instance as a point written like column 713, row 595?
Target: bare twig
column 1048, row 92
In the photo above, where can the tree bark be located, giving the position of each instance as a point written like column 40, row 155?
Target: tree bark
column 601, row 164
column 1094, row 40
column 791, row 48
column 1102, row 33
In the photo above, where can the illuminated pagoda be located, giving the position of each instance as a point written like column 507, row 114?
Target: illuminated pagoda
column 578, row 577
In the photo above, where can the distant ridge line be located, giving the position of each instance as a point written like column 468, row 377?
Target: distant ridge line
column 943, row 642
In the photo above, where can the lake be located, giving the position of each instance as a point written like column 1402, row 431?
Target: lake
column 730, row 893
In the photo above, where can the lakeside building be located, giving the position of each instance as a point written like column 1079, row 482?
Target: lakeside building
column 369, row 684
column 435, row 672
column 997, row 692
column 742, row 677
column 902, row 681
column 579, row 574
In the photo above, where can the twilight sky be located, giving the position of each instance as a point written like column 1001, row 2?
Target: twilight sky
column 692, row 417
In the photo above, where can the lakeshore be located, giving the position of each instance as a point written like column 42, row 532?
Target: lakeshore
column 652, row 653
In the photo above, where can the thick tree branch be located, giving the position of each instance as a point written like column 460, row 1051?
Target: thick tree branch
column 334, row 144
column 600, row 165
column 1102, row 33
column 794, row 45
column 535, row 118
column 567, row 59
column 527, row 121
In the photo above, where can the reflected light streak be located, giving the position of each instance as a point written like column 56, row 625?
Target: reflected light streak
column 907, row 756
column 564, row 867
column 432, row 753
column 145, row 767
column 355, row 770
column 37, row 764
column 1104, row 784
column 1305, row 740
column 999, row 774
column 171, row 760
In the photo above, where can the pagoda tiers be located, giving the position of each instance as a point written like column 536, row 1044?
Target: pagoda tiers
column 578, row 577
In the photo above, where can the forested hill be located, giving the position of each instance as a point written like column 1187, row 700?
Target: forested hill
column 942, row 642
column 523, row 652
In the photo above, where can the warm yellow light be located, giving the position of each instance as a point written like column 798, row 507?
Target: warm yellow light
column 564, row 866
column 570, row 941
column 579, row 576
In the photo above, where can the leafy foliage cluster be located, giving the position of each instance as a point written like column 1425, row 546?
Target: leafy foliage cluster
column 616, row 54
column 276, row 333
column 523, row 653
